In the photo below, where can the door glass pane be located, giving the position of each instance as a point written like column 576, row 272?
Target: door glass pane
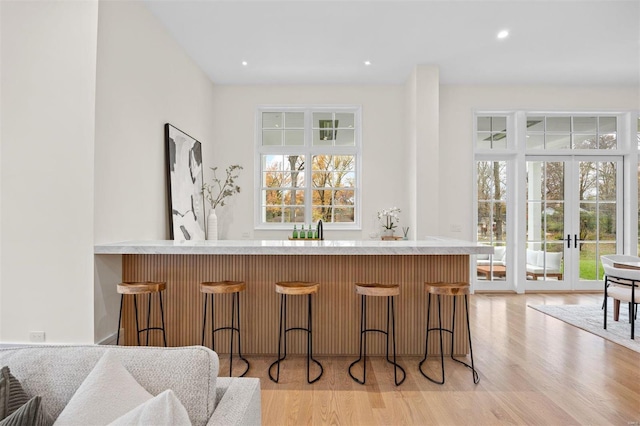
column 545, row 220
column 492, row 219
column 603, row 249
column 597, row 190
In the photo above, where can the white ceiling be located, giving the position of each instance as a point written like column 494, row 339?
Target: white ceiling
column 326, row 42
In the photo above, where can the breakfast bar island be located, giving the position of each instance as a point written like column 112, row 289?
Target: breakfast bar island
column 336, row 265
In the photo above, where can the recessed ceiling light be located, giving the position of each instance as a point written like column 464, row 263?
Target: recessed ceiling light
column 245, row 63
column 367, row 63
column 503, row 34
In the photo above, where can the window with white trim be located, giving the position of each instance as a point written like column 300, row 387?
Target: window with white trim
column 309, row 166
column 571, row 132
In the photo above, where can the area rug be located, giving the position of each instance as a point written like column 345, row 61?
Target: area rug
column 591, row 318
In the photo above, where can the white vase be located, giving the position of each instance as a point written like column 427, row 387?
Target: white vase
column 212, row 225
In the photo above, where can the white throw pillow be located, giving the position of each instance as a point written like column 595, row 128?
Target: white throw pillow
column 107, row 393
column 164, row 409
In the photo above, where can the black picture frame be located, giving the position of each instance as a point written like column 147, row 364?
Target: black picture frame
column 184, row 185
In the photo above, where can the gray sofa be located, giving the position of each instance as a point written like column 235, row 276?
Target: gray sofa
column 55, row 372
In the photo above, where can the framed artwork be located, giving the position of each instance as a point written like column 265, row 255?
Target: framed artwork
column 184, row 185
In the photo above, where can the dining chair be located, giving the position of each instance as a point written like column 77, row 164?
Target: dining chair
column 621, row 284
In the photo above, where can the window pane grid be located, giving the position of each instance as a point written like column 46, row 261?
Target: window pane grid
column 571, row 132
column 491, row 132
column 290, row 194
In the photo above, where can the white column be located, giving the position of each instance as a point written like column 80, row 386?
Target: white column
column 423, row 136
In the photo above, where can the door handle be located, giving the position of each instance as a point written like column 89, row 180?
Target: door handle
column 568, row 240
column 575, row 240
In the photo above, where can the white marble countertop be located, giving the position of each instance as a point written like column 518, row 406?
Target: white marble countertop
column 435, row 245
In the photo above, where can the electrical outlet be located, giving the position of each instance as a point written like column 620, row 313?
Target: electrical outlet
column 36, row 336
column 245, row 236
column 456, row 228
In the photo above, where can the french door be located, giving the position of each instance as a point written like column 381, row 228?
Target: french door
column 573, row 216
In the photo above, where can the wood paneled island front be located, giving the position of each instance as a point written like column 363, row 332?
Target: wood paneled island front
column 336, row 265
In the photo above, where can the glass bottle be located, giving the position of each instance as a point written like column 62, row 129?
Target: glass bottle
column 310, row 233
column 302, row 233
column 295, row 232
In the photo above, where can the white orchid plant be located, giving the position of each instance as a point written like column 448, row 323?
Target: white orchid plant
column 389, row 218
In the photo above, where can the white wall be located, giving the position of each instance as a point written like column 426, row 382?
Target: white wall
column 383, row 148
column 47, row 101
column 457, row 105
column 144, row 80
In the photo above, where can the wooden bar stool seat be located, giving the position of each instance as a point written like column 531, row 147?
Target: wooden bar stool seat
column 225, row 287
column 452, row 290
column 377, row 290
column 139, row 288
column 295, row 288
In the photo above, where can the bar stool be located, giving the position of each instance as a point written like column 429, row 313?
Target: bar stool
column 295, row 288
column 225, row 287
column 136, row 288
column 377, row 290
column 447, row 289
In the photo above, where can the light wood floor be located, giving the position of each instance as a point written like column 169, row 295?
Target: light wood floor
column 534, row 369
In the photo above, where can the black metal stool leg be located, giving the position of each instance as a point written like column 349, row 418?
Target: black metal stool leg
column 148, row 317
column 164, row 333
column 476, row 378
column 233, row 328
column 119, row 320
column 426, row 338
column 363, row 338
column 135, row 307
column 396, row 366
column 237, row 299
column 283, row 300
column 233, row 311
column 310, row 346
column 453, row 325
column 204, row 317
column 213, row 322
column 439, row 329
